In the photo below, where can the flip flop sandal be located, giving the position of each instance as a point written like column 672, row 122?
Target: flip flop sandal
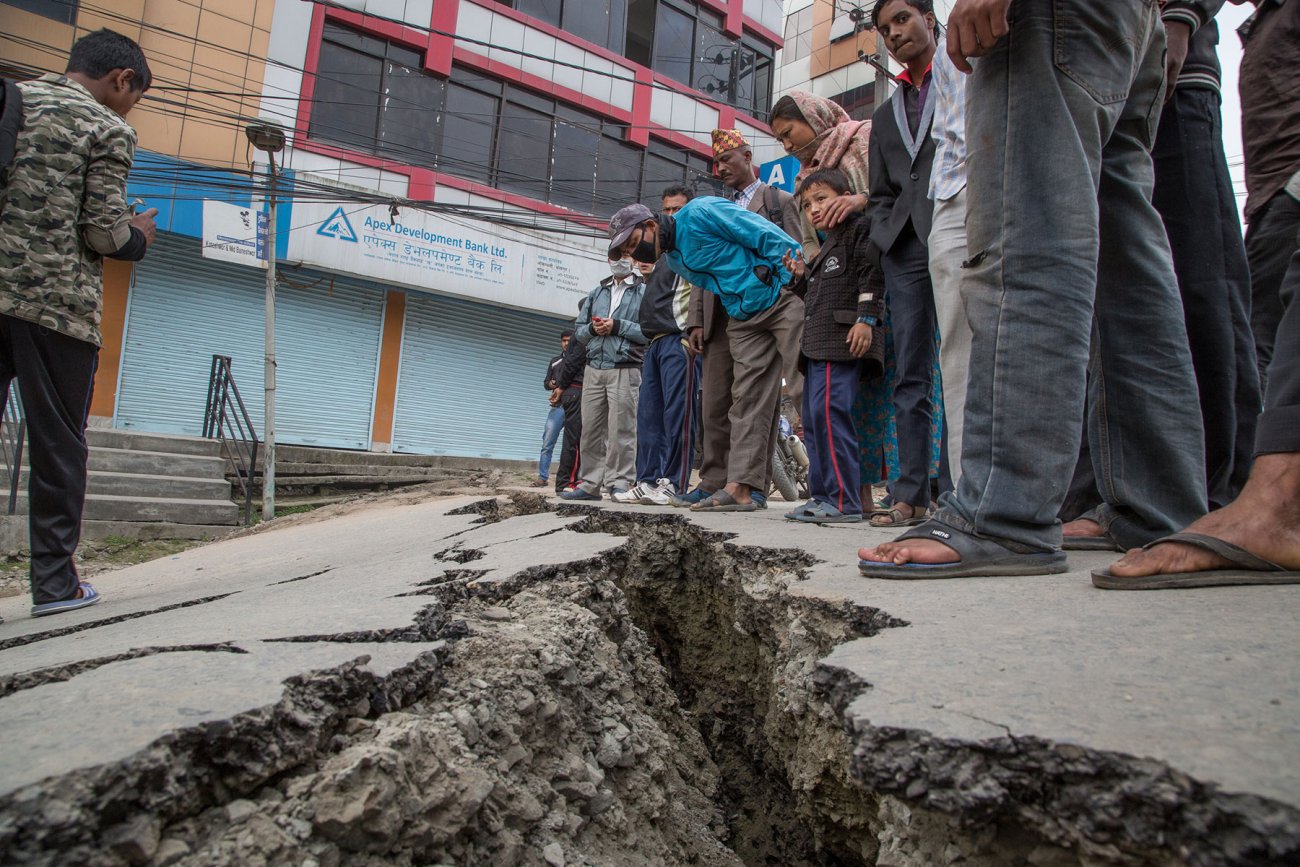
column 829, row 515
column 721, row 501
column 807, row 508
column 979, row 557
column 897, row 519
column 1248, row 569
column 89, row 596
column 1089, row 543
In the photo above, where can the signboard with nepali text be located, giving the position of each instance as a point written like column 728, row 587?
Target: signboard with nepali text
column 448, row 254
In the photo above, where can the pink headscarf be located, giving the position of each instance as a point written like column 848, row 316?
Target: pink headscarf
column 841, row 143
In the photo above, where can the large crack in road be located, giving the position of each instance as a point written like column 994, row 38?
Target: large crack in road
column 662, row 702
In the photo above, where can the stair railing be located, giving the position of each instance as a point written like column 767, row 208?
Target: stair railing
column 226, row 419
column 13, row 436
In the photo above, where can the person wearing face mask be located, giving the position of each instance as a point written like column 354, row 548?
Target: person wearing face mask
column 738, row 255
column 609, row 325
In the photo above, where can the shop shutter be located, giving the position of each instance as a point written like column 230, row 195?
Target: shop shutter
column 470, row 382
column 184, row 309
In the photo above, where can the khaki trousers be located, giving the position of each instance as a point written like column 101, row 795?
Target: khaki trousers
column 608, row 446
column 757, row 364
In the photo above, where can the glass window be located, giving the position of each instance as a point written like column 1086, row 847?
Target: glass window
column 674, row 43
column 408, row 126
column 345, row 108
column 589, row 21
column 640, row 35
column 618, row 175
column 542, row 10
column 524, row 151
column 58, row 10
column 468, row 128
column 573, row 166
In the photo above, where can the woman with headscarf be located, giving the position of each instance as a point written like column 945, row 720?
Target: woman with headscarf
column 821, row 135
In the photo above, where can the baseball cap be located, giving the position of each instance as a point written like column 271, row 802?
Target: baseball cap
column 622, row 224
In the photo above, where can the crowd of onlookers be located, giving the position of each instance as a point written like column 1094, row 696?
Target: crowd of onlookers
column 1018, row 298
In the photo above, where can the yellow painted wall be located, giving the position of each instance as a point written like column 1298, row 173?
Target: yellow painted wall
column 206, row 45
column 827, row 57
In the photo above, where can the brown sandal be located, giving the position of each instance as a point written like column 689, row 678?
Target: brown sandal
column 895, row 518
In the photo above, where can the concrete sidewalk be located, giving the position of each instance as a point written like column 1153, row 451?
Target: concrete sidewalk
column 1103, row 724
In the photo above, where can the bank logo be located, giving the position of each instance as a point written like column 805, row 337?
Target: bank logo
column 337, row 226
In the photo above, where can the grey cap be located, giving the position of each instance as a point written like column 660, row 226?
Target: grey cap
column 622, row 224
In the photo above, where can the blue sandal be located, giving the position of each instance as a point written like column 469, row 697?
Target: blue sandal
column 87, row 596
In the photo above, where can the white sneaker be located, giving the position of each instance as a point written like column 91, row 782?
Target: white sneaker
column 660, row 495
column 632, row 495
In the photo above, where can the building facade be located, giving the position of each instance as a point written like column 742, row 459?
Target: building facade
column 449, row 167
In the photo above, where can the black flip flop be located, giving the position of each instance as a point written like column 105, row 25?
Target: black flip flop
column 1249, row 569
column 979, row 557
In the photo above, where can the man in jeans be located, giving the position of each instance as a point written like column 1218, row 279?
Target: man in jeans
column 1062, row 233
column 63, row 209
column 554, row 418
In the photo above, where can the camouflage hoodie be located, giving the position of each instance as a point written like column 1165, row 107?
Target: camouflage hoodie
column 63, row 204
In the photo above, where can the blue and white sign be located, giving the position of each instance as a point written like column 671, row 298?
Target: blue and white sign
column 234, row 233
column 780, row 173
column 446, row 254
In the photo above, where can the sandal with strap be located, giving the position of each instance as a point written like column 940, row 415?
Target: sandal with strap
column 1247, row 569
column 895, row 518
column 979, row 557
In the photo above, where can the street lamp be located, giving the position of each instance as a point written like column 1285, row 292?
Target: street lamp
column 268, row 137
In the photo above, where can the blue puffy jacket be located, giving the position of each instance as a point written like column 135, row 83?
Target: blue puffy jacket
column 731, row 251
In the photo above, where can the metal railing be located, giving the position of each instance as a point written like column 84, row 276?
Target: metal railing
column 13, row 437
column 226, row 419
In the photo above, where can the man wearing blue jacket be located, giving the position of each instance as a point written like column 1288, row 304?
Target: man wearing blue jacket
column 609, row 325
column 723, row 248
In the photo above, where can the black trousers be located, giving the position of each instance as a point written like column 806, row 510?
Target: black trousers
column 1194, row 195
column 56, row 375
column 570, row 473
column 1270, row 242
column 1279, row 426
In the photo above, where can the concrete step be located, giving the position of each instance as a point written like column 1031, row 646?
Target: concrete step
column 286, row 469
column 175, row 510
column 340, row 457
column 14, row 537
column 139, row 485
column 111, row 460
column 150, row 442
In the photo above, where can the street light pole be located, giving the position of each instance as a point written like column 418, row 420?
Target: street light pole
column 268, row 453
column 268, row 137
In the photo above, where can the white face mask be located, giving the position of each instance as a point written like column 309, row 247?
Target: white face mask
column 621, row 268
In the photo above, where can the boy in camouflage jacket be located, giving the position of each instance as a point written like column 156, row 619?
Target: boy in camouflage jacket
column 62, row 210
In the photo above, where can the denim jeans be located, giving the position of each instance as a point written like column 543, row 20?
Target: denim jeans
column 550, row 436
column 664, row 431
column 1062, row 234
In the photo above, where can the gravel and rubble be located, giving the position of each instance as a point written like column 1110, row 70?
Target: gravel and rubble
column 572, row 686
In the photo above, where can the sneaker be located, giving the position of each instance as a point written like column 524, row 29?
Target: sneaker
column 685, row 501
column 760, row 500
column 86, row 597
column 633, row 496
column 659, row 494
column 578, row 494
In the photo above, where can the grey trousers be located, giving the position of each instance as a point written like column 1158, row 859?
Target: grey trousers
column 608, row 449
column 756, row 387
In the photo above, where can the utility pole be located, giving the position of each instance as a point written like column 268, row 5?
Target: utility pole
column 267, row 137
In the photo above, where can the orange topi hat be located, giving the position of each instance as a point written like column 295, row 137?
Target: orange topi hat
column 727, row 140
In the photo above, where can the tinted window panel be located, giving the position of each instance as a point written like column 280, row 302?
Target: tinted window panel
column 542, row 10
column 524, row 151
column 573, row 168
column 408, row 127
column 345, row 108
column 674, row 44
column 618, row 172
column 468, row 127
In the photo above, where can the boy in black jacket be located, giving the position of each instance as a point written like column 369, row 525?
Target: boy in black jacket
column 844, row 302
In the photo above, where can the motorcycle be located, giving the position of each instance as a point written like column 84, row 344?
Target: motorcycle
column 789, row 464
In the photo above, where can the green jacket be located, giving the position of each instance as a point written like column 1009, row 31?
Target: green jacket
column 62, row 207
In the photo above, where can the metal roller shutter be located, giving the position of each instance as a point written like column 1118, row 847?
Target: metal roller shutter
column 471, row 379
column 184, row 309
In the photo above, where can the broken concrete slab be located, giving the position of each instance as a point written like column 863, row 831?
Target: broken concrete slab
column 638, row 685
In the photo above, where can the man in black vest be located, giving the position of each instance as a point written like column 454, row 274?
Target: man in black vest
column 902, row 153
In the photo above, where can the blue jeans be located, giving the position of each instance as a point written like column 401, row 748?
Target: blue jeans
column 1062, row 236
column 550, row 436
column 664, row 432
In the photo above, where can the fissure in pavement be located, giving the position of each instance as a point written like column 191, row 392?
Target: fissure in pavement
column 659, row 703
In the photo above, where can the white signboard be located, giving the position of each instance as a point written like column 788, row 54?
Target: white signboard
column 234, row 233
column 449, row 254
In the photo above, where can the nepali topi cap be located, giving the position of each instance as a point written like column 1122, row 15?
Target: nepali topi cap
column 727, row 140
